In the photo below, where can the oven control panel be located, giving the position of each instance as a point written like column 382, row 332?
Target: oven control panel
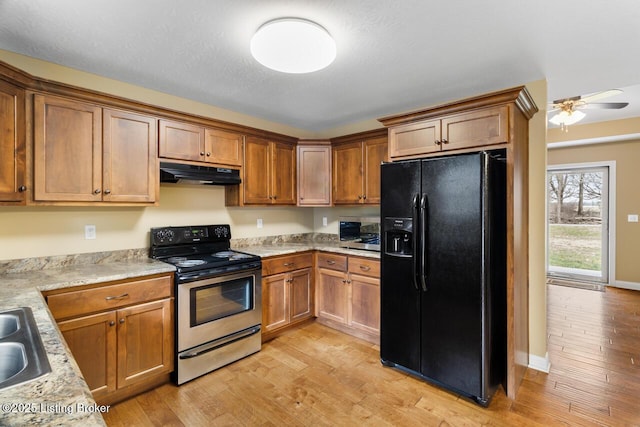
column 164, row 236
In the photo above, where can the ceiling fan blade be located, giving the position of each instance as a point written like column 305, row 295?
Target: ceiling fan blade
column 600, row 95
column 560, row 101
column 603, row 106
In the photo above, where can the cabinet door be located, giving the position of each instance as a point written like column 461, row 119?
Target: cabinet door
column 332, row 295
column 257, row 171
column 414, row 139
column 67, row 150
column 365, row 303
column 145, row 341
column 283, row 174
column 275, row 302
column 181, row 141
column 223, row 147
column 375, row 152
column 130, row 159
column 92, row 341
column 314, row 175
column 301, row 296
column 475, row 129
column 12, row 144
column 347, row 174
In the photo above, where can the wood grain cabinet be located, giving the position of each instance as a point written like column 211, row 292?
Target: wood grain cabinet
column 348, row 294
column 185, row 141
column 121, row 335
column 478, row 128
column 269, row 172
column 356, row 170
column 314, row 173
column 84, row 153
column 287, row 292
column 13, row 185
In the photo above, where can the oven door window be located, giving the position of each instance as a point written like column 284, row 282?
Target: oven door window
column 213, row 302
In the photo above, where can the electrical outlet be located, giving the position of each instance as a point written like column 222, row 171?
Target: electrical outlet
column 632, row 218
column 89, row 232
column 324, row 221
column 259, row 223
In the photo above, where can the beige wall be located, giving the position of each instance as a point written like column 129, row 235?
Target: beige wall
column 537, row 222
column 626, row 155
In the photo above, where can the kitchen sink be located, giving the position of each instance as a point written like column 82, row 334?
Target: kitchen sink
column 22, row 354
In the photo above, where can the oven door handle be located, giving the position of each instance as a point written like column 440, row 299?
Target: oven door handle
column 221, row 342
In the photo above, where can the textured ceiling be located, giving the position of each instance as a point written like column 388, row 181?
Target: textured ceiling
column 393, row 56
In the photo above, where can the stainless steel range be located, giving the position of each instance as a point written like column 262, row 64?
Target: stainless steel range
column 218, row 297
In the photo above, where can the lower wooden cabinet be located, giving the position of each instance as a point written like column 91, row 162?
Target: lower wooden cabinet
column 287, row 297
column 348, row 294
column 122, row 351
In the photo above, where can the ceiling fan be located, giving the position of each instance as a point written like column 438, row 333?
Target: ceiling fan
column 568, row 109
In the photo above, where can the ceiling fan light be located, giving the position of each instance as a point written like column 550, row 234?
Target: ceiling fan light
column 293, row 45
column 564, row 118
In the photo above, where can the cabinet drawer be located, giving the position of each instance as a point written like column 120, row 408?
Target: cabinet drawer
column 364, row 266
column 332, row 261
column 108, row 297
column 286, row 263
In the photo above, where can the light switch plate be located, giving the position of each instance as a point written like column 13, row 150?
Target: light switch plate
column 89, row 232
column 324, row 221
column 259, row 223
column 632, row 218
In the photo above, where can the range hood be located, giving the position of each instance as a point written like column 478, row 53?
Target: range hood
column 192, row 174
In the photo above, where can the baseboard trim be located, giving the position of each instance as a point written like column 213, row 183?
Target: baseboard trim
column 626, row 285
column 538, row 363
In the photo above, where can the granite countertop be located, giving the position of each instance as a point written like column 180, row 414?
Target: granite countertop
column 60, row 397
column 274, row 249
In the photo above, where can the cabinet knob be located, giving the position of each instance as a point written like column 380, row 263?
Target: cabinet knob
column 112, row 323
column 445, row 141
column 208, row 154
column 301, row 198
column 364, row 197
column 107, row 191
column 22, row 188
column 202, row 153
column 438, row 142
column 121, row 321
column 359, row 197
column 275, row 197
column 96, row 191
column 344, row 281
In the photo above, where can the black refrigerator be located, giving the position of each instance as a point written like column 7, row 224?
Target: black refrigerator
column 443, row 278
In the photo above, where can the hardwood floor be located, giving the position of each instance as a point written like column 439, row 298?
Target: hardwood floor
column 316, row 376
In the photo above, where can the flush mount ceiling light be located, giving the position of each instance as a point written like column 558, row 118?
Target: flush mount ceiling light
column 293, row 45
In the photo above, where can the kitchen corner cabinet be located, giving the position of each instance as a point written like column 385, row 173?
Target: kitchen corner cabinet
column 269, row 172
column 287, row 292
column 314, row 173
column 120, row 334
column 184, row 141
column 478, row 128
column 348, row 294
column 85, row 153
column 356, row 171
column 13, row 185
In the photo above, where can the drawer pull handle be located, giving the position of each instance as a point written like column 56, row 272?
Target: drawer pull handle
column 117, row 297
column 289, row 264
column 365, row 268
column 330, row 262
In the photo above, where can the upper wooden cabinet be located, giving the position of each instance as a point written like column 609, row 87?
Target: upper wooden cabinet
column 269, row 172
column 184, row 141
column 83, row 153
column 477, row 128
column 356, row 170
column 314, row 173
column 13, row 184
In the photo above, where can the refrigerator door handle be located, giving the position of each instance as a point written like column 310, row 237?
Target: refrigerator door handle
column 416, row 238
column 423, row 242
